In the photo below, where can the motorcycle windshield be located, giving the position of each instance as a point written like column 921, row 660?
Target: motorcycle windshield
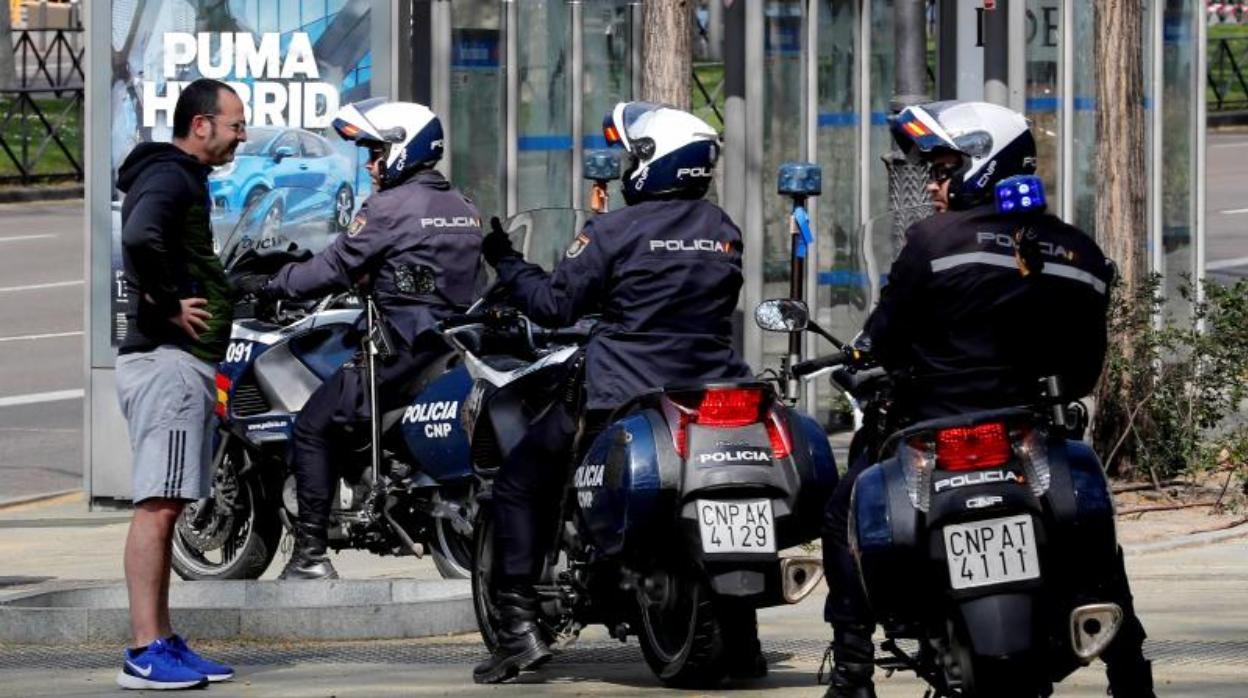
column 546, row 235
column 286, row 220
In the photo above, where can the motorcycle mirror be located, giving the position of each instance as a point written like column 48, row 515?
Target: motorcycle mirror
column 782, row 315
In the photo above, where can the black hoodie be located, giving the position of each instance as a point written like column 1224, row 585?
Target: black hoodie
column 166, row 239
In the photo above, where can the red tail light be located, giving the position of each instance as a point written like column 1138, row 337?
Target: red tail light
column 729, row 408
column 223, row 394
column 973, row 448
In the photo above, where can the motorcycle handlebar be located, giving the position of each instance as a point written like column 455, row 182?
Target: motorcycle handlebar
column 805, row 368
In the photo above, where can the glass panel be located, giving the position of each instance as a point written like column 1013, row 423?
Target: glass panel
column 1083, row 159
column 842, row 291
column 882, row 243
column 782, row 142
column 1178, row 149
column 842, row 297
column 1044, row 28
column 608, row 44
column 545, row 109
column 477, row 90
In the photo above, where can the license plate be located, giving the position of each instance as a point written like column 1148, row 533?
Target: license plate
column 739, row 526
column 992, row 551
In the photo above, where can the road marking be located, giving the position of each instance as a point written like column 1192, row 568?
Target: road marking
column 37, row 398
column 36, row 287
column 1227, row 263
column 28, row 237
column 28, row 337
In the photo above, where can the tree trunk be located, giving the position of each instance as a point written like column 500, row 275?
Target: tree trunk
column 1121, row 207
column 8, row 67
column 667, row 47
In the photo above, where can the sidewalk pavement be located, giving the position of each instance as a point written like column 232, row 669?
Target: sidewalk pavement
column 1193, row 600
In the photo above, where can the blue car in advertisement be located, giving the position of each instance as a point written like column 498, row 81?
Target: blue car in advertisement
column 285, row 158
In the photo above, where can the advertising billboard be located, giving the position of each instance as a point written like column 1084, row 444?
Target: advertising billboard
column 293, row 63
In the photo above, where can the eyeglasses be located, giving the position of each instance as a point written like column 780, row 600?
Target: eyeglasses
column 237, row 127
column 941, row 173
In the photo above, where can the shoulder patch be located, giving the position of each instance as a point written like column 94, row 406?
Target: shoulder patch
column 578, row 245
column 357, row 224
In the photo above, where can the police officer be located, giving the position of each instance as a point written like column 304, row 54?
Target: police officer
column 663, row 273
column 416, row 244
column 979, row 306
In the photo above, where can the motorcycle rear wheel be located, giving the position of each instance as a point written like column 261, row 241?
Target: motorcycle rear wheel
column 684, row 638
column 250, row 543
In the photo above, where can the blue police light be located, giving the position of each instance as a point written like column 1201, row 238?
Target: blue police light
column 800, row 179
column 1020, row 194
column 601, row 165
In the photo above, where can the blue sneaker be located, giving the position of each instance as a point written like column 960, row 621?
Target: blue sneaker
column 160, row 667
column 215, row 672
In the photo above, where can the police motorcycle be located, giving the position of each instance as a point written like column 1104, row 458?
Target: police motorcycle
column 985, row 542
column 671, row 527
column 413, row 494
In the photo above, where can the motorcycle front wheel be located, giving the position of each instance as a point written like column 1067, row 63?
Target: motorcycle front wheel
column 232, row 534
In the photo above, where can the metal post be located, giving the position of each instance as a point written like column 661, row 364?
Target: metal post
column 811, row 153
column 577, row 74
column 906, row 180
column 1016, row 49
column 1201, row 77
column 996, row 54
column 1155, row 25
column 440, row 49
column 1066, row 69
column 635, row 48
column 947, row 51
column 511, row 73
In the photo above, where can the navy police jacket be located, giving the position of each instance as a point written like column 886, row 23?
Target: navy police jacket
column 418, row 244
column 664, row 276
column 976, row 328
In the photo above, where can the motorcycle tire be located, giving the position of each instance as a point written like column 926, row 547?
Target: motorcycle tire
column 482, row 570
column 452, row 551
column 255, row 530
column 684, row 641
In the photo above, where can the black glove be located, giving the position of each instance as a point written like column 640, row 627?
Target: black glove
column 497, row 244
column 251, row 285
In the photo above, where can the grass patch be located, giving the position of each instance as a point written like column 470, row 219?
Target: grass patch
column 21, row 127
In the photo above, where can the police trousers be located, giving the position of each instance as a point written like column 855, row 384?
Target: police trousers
column 341, row 401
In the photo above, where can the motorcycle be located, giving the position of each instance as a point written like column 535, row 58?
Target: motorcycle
column 671, row 525
column 984, row 540
column 413, row 493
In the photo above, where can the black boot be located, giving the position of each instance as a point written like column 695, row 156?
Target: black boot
column 520, row 644
column 309, row 560
column 1131, row 679
column 745, row 652
column 853, row 663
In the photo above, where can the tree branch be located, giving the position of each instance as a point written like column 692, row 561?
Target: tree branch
column 1163, row 507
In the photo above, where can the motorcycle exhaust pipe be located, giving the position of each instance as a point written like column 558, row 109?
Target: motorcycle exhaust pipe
column 799, row 576
column 1092, row 628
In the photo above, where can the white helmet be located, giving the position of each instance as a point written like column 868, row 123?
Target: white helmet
column 994, row 142
column 672, row 152
column 409, row 135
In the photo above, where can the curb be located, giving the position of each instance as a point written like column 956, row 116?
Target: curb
column 48, row 193
column 78, row 612
column 1193, row 540
column 32, row 498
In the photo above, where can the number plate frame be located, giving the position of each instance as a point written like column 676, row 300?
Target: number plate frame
column 989, row 552
column 736, row 526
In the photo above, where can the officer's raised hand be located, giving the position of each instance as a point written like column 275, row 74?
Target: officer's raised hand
column 497, row 244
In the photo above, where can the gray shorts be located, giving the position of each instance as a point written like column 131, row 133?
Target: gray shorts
column 167, row 396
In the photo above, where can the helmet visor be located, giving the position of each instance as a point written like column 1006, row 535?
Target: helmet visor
column 621, row 128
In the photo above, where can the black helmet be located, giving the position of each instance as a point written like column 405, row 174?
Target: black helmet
column 994, row 143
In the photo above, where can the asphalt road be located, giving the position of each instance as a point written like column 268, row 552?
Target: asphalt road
column 1226, row 232
column 41, row 320
column 41, row 347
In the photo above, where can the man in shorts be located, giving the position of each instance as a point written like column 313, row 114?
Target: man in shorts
column 177, row 329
